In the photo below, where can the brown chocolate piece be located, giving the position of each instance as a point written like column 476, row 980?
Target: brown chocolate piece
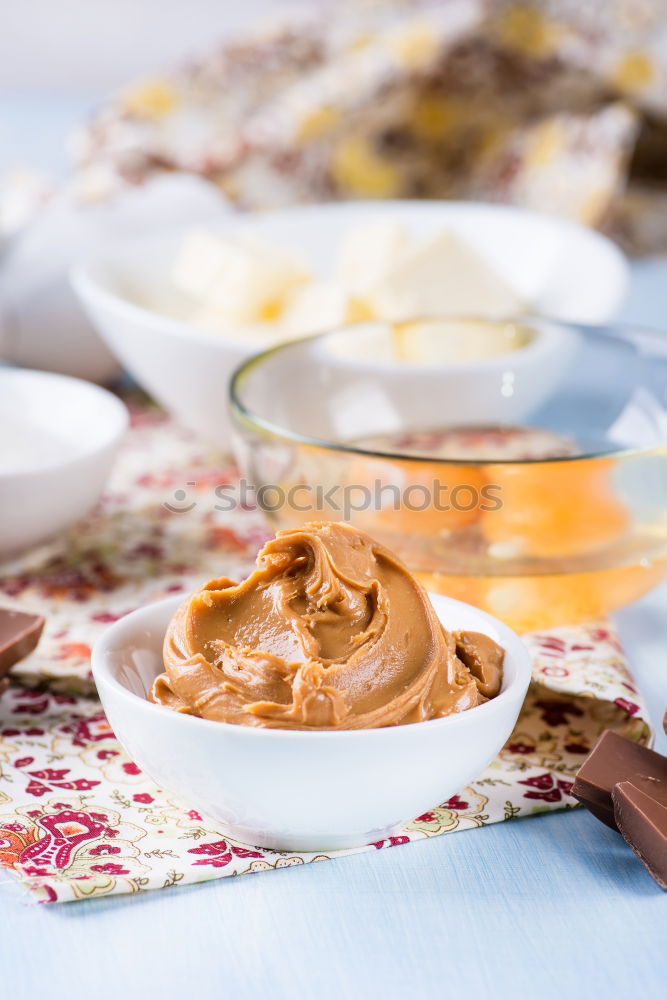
column 643, row 822
column 614, row 759
column 19, row 634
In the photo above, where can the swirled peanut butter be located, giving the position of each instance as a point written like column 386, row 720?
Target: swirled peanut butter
column 330, row 631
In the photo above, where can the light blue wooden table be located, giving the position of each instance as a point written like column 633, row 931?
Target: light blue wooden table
column 549, row 907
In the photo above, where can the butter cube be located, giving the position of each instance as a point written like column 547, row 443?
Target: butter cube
column 238, row 277
column 443, row 277
column 367, row 252
column 314, row 307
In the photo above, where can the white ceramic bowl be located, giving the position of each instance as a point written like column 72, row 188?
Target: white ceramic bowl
column 292, row 790
column 375, row 394
column 42, row 324
column 58, row 438
column 559, row 268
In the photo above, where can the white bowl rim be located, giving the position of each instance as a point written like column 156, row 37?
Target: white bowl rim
column 86, row 286
column 549, row 327
column 545, row 333
column 116, row 409
column 508, row 639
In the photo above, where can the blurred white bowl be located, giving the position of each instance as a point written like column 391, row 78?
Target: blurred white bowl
column 560, row 269
column 58, row 438
column 49, row 331
column 42, row 324
column 503, row 388
column 295, row 790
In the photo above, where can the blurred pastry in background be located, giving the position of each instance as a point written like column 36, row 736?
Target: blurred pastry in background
column 533, row 103
column 542, row 104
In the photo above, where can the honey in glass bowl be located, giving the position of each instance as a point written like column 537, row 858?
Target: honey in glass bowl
column 530, row 481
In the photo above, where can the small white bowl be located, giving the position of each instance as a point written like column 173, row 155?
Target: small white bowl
column 354, row 362
column 58, row 438
column 560, row 269
column 42, row 324
column 295, row 790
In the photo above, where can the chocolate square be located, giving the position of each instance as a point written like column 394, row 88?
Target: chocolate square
column 614, row 759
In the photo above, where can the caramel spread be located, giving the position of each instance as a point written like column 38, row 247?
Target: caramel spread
column 330, row 631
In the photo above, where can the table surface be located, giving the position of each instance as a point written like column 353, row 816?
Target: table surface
column 551, row 906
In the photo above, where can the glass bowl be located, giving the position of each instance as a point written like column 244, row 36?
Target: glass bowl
column 520, row 466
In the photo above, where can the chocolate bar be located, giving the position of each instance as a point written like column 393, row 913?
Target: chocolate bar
column 19, row 635
column 625, row 786
column 614, row 759
column 642, row 820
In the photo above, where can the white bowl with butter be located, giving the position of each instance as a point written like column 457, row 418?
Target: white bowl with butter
column 182, row 310
column 300, row 790
column 58, row 440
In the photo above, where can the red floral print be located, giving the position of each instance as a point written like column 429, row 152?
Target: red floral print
column 521, row 748
column 219, row 853
column 455, row 803
column 14, row 839
column 110, row 869
column 550, row 645
column 546, row 788
column 245, row 852
column 428, row 817
column 390, row 842
column 74, row 651
column 36, row 788
column 216, row 854
column 555, row 712
column 50, row 774
column 628, row 706
column 65, row 832
column 90, row 730
column 539, row 781
column 56, row 779
column 32, row 708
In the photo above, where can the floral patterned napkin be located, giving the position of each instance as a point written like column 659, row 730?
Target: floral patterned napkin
column 77, row 816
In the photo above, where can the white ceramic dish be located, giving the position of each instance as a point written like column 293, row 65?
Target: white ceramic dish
column 350, row 365
column 58, row 438
column 300, row 790
column 559, row 268
column 42, row 324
